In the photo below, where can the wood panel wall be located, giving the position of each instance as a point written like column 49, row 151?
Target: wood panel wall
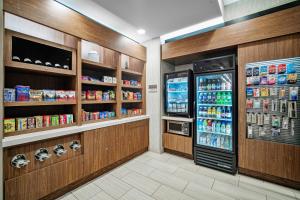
column 57, row 16
column 179, row 143
column 273, row 25
column 280, row 161
column 102, row 149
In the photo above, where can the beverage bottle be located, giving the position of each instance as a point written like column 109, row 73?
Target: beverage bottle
column 218, row 99
column 223, row 127
column 228, row 128
column 208, row 87
column 213, row 98
column 229, row 98
column 223, row 85
column 200, row 125
column 218, row 127
column 222, row 142
column 228, row 85
column 204, row 86
column 200, row 97
column 219, row 141
column 200, row 84
column 223, row 112
column 228, row 113
column 204, row 125
column 213, row 84
column 213, row 126
column 200, row 113
column 209, row 112
column 204, row 98
column 218, row 86
column 209, row 97
column 218, row 114
column 213, row 112
column 209, row 123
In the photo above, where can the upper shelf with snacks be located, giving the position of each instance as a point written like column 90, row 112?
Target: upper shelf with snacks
column 27, row 53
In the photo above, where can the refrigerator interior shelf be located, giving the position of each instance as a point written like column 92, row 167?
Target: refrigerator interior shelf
column 220, row 119
column 200, row 104
column 178, row 91
column 177, row 82
column 216, row 133
column 201, row 91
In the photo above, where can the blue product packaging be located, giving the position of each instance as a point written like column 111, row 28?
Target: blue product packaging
column 263, row 70
column 249, row 72
column 249, row 92
column 101, row 115
column 255, row 80
column 256, row 71
column 281, row 79
column 290, row 68
column 9, row 95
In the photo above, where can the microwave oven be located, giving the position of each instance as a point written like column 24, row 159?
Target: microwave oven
column 178, row 127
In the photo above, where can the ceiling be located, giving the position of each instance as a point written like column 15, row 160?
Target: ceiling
column 157, row 17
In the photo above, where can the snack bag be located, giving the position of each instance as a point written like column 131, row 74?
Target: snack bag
column 36, row 95
column 291, row 78
column 9, row 95
column 249, row 103
column 62, row 119
column 266, row 103
column 9, row 125
column 264, row 92
column 98, row 94
column 272, row 79
column 293, row 93
column 282, row 93
column 263, row 80
column 256, row 92
column 281, row 68
column 290, row 68
column 255, row 80
column 272, row 69
column 21, row 124
column 61, row 95
column 256, row 71
column 249, row 81
column 282, row 79
column 49, row 95
column 263, row 70
column 249, row 72
column 22, row 93
column 54, row 120
column 249, row 92
column 46, row 121
column 256, row 103
column 273, row 91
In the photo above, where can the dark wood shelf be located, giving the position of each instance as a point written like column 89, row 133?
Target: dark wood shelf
column 38, row 103
column 98, row 120
column 96, row 65
column 128, row 71
column 132, row 101
column 132, row 87
column 98, row 83
column 39, row 68
column 98, row 102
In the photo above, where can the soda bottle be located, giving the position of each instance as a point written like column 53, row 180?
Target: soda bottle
column 209, row 124
column 218, row 141
column 229, row 98
column 204, row 87
column 200, row 125
column 228, row 113
column 204, row 125
column 200, row 84
column 213, row 112
column 213, row 98
column 223, row 127
column 218, row 127
column 209, row 112
column 213, row 126
column 218, row 114
column 208, row 87
column 213, row 84
column 218, row 85
column 228, row 128
column 204, row 97
column 209, row 97
column 218, row 99
column 228, row 85
column 223, row 85
column 223, row 112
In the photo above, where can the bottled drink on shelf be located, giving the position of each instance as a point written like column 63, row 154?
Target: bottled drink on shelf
column 223, row 112
column 204, row 97
column 218, row 112
column 200, row 125
column 218, row 127
column 204, row 125
column 213, row 126
column 209, row 124
column 228, row 128
column 223, row 127
column 218, row 99
column 219, row 141
column 229, row 98
column 218, row 84
column 209, row 112
column 205, row 112
column 213, row 98
column 201, row 82
column 213, row 112
column 228, row 113
column 209, row 97
column 208, row 86
column 223, row 85
column 213, row 84
column 223, row 98
column 228, row 85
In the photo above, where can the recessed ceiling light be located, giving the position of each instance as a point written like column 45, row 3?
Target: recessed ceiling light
column 141, row 31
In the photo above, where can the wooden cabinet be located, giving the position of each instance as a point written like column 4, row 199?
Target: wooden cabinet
column 178, row 143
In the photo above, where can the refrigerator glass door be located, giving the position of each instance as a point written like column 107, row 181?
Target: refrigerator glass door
column 214, row 125
column 177, row 95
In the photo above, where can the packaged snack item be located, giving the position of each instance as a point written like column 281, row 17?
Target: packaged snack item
column 101, row 115
column 70, row 119
column 256, row 92
column 105, row 96
column 272, row 79
column 273, row 91
column 291, row 78
column 46, row 121
column 266, row 118
column 9, row 125
column 36, row 95
column 98, row 94
column 281, row 79
column 272, row 69
column 22, row 93
column 54, row 120
column 30, row 122
column 283, row 106
column 290, row 68
column 250, row 131
column 263, row 80
column 62, row 119
column 255, row 71
column 83, row 95
column 266, row 103
column 260, row 119
column 90, row 95
column 249, row 92
column 292, row 109
column 262, row 131
column 253, row 118
column 249, row 81
column 282, row 93
column 249, row 72
column 256, row 103
column 70, row 94
column 292, row 127
column 114, row 80
column 9, row 95
column 274, row 105
column 61, row 95
column 285, row 123
column 255, row 80
column 49, row 95
column 21, row 124
column 38, row 121
column 263, row 70
column 293, row 93
column 281, row 68
column 275, row 132
column 112, row 95
column 275, row 121
column 264, row 92
column 249, row 103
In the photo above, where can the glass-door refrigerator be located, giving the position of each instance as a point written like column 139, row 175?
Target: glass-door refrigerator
column 215, row 129
column 179, row 93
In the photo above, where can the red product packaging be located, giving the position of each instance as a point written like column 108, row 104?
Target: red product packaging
column 272, row 69
column 46, row 121
column 62, row 119
column 90, row 95
column 281, row 68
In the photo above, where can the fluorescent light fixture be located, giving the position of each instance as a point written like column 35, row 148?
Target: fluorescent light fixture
column 193, row 28
column 141, row 31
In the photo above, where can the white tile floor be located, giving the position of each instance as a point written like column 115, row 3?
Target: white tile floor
column 164, row 176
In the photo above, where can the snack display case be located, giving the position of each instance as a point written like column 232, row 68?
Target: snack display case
column 273, row 100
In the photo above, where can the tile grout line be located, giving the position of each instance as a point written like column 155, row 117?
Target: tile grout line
column 213, row 184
